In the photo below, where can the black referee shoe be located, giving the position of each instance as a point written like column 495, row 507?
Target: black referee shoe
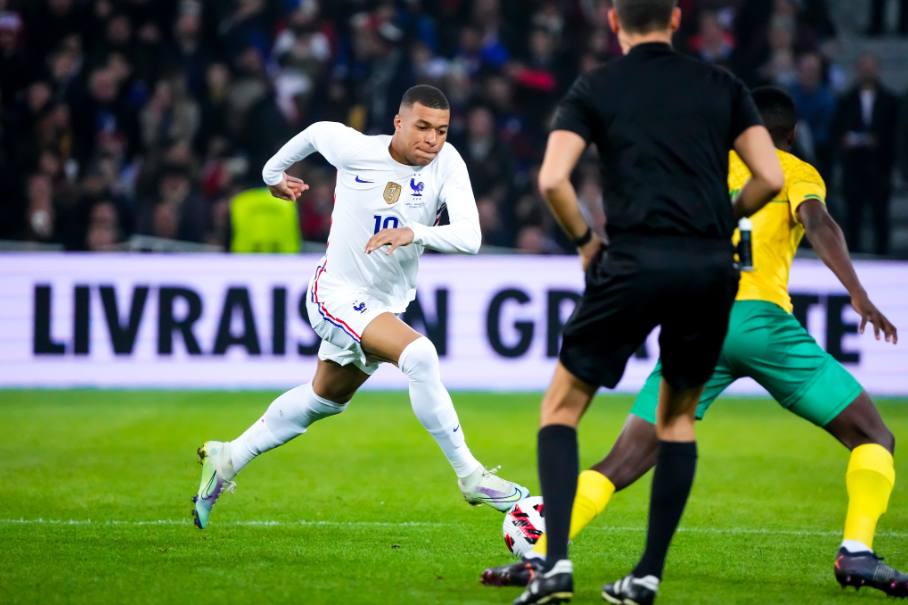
column 515, row 574
column 550, row 587
column 632, row 591
column 867, row 569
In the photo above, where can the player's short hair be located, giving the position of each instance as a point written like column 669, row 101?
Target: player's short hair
column 644, row 16
column 778, row 111
column 425, row 95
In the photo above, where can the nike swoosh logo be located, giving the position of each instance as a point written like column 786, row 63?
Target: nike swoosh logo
column 359, row 180
column 513, row 496
column 208, row 491
column 458, row 426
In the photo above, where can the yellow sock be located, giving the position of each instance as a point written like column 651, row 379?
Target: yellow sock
column 870, row 479
column 594, row 490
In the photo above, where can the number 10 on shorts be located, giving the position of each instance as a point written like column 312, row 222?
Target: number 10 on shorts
column 390, row 223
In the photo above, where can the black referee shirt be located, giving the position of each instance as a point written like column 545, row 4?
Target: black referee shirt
column 664, row 125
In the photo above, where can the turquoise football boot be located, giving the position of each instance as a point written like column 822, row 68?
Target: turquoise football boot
column 217, row 476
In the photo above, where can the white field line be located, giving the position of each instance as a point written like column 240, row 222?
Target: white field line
column 111, row 522
column 403, row 525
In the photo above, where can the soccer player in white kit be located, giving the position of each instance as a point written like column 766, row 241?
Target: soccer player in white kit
column 391, row 191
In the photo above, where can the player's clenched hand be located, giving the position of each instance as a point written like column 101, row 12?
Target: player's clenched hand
column 589, row 250
column 288, row 189
column 869, row 313
column 393, row 237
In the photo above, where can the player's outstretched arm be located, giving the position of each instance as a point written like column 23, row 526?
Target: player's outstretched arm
column 827, row 239
column 561, row 154
column 462, row 235
column 756, row 150
column 331, row 139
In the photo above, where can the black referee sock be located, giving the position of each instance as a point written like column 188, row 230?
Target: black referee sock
column 559, row 465
column 676, row 463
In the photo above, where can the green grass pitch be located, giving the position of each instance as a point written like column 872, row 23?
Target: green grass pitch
column 95, row 489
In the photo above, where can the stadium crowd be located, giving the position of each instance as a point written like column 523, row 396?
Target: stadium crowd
column 123, row 117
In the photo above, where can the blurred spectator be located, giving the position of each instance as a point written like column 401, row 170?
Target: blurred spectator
column 816, row 104
column 769, row 35
column 65, row 65
column 301, row 52
column 864, row 130
column 428, row 68
column 177, row 212
column 103, row 227
column 511, row 123
column 104, row 119
column 315, row 208
column 256, row 122
column 15, row 68
column 603, row 45
column 779, row 69
column 24, row 121
column 488, row 159
column 117, row 37
column 170, row 116
column 52, row 20
column 491, row 224
column 878, row 17
column 246, row 27
column 712, row 43
column 533, row 240
column 387, row 71
column 41, row 216
column 542, row 75
column 213, row 109
column 186, row 53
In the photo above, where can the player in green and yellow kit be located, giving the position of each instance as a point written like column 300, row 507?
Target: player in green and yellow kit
column 766, row 343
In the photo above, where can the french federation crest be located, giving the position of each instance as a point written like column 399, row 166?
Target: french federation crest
column 392, row 193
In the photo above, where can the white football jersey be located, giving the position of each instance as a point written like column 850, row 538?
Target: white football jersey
column 376, row 192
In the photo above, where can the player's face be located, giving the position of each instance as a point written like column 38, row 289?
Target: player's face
column 422, row 132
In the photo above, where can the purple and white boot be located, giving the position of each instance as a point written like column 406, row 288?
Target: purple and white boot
column 485, row 487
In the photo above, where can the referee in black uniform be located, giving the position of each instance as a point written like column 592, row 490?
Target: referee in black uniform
column 664, row 125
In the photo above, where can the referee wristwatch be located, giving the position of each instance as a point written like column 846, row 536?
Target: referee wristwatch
column 584, row 239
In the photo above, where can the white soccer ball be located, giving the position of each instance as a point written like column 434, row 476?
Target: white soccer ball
column 523, row 525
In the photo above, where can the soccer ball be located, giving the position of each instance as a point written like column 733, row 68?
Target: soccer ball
column 523, row 525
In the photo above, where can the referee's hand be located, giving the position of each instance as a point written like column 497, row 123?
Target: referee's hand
column 869, row 313
column 589, row 250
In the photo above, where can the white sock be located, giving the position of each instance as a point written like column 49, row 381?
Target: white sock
column 433, row 406
column 287, row 417
column 854, row 546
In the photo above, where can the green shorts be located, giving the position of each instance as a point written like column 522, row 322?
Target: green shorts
column 770, row 346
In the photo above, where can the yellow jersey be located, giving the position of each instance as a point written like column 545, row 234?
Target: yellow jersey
column 777, row 231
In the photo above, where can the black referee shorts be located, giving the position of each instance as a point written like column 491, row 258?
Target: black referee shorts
column 685, row 285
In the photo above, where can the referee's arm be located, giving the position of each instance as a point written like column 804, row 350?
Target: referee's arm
column 561, row 154
column 756, row 150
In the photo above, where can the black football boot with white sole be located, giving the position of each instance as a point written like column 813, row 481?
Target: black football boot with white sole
column 867, row 569
column 550, row 587
column 632, row 591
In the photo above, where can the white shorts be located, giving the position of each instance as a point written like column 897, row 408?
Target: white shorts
column 339, row 317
